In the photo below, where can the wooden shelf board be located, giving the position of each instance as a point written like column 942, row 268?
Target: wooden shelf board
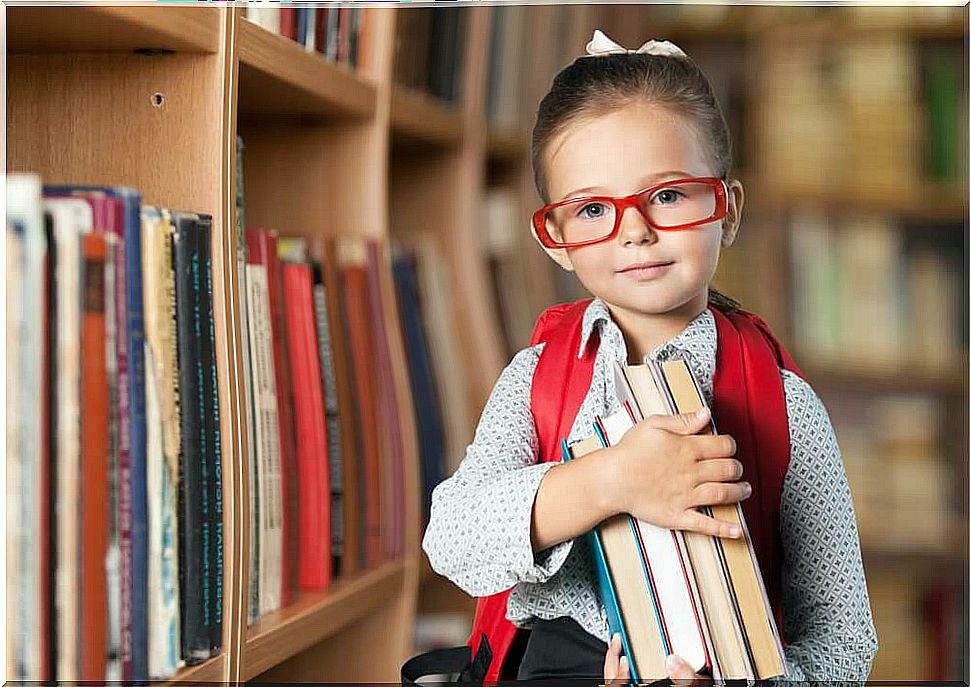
column 278, row 76
column 316, row 616
column 422, row 119
column 212, row 670
column 507, row 144
column 66, row 29
column 924, row 202
column 885, row 378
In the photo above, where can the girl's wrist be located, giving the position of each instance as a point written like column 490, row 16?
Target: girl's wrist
column 611, row 487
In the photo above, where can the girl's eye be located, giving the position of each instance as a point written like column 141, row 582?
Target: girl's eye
column 592, row 211
column 668, row 195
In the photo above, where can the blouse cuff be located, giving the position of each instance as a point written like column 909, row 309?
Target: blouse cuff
column 536, row 567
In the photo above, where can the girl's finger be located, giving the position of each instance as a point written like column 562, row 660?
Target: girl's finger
column 612, row 664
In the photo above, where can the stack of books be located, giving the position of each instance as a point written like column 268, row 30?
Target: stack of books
column 678, row 592
column 114, row 460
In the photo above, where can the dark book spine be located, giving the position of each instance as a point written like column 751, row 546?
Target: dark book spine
column 195, row 606
column 362, row 492
column 333, row 421
column 212, row 430
column 48, row 474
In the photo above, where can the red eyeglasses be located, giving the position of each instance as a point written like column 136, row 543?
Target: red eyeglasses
column 668, row 206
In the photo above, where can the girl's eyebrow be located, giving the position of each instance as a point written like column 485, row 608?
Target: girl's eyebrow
column 644, row 182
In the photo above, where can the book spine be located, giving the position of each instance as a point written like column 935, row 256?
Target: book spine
column 333, row 425
column 95, row 513
column 267, row 433
column 614, row 617
column 193, row 480
column 122, row 465
column 48, row 474
column 133, row 473
column 162, row 586
column 212, row 429
column 312, row 448
column 253, row 283
column 289, row 476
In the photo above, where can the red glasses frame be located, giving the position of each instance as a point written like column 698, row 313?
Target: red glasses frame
column 719, row 185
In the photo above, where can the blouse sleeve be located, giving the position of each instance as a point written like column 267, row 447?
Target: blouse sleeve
column 479, row 533
column 827, row 618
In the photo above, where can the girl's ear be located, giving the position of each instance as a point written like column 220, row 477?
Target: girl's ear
column 559, row 255
column 732, row 220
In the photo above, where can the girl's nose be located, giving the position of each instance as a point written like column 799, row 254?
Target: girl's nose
column 635, row 229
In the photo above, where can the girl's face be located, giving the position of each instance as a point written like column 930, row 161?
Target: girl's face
column 618, row 154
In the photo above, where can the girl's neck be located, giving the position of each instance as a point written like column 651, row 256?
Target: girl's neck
column 644, row 332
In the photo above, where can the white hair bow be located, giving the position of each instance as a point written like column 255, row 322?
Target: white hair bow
column 601, row 45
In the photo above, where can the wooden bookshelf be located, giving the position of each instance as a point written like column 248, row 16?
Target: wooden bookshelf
column 279, row 77
column 317, row 616
column 111, row 29
column 422, row 120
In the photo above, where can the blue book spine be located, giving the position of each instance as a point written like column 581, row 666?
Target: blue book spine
column 139, row 458
column 614, row 617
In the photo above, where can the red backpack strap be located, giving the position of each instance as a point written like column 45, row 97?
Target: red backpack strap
column 561, row 380
column 559, row 385
column 750, row 405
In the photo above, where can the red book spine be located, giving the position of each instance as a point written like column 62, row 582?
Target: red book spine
column 343, row 35
column 288, row 22
column 312, row 454
column 95, row 461
column 355, row 299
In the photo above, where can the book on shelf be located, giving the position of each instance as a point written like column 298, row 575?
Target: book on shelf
column 268, row 517
column 423, row 391
column 869, row 291
column 338, row 34
column 428, row 50
column 669, row 591
column 312, row 459
column 434, row 283
column 351, row 534
column 116, row 575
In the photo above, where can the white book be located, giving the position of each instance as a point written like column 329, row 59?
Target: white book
column 71, row 217
column 266, row 419
column 24, row 214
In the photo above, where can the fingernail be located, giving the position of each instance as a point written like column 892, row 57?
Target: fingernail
column 703, row 413
column 735, row 532
column 672, row 663
column 747, row 489
column 623, row 662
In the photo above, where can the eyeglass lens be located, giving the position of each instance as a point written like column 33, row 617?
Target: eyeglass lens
column 668, row 207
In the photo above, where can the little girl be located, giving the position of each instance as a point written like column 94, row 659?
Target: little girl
column 643, row 133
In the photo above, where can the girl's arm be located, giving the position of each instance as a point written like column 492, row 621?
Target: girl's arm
column 479, row 533
column 828, row 622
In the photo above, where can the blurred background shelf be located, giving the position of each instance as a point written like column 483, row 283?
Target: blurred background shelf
column 279, row 77
column 419, row 119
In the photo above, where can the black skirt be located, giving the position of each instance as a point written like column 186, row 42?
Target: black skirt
column 562, row 649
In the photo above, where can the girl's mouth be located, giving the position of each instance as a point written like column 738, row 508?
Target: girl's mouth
column 645, row 271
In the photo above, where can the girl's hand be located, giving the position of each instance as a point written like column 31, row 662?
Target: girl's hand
column 682, row 675
column 663, row 470
column 616, row 668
